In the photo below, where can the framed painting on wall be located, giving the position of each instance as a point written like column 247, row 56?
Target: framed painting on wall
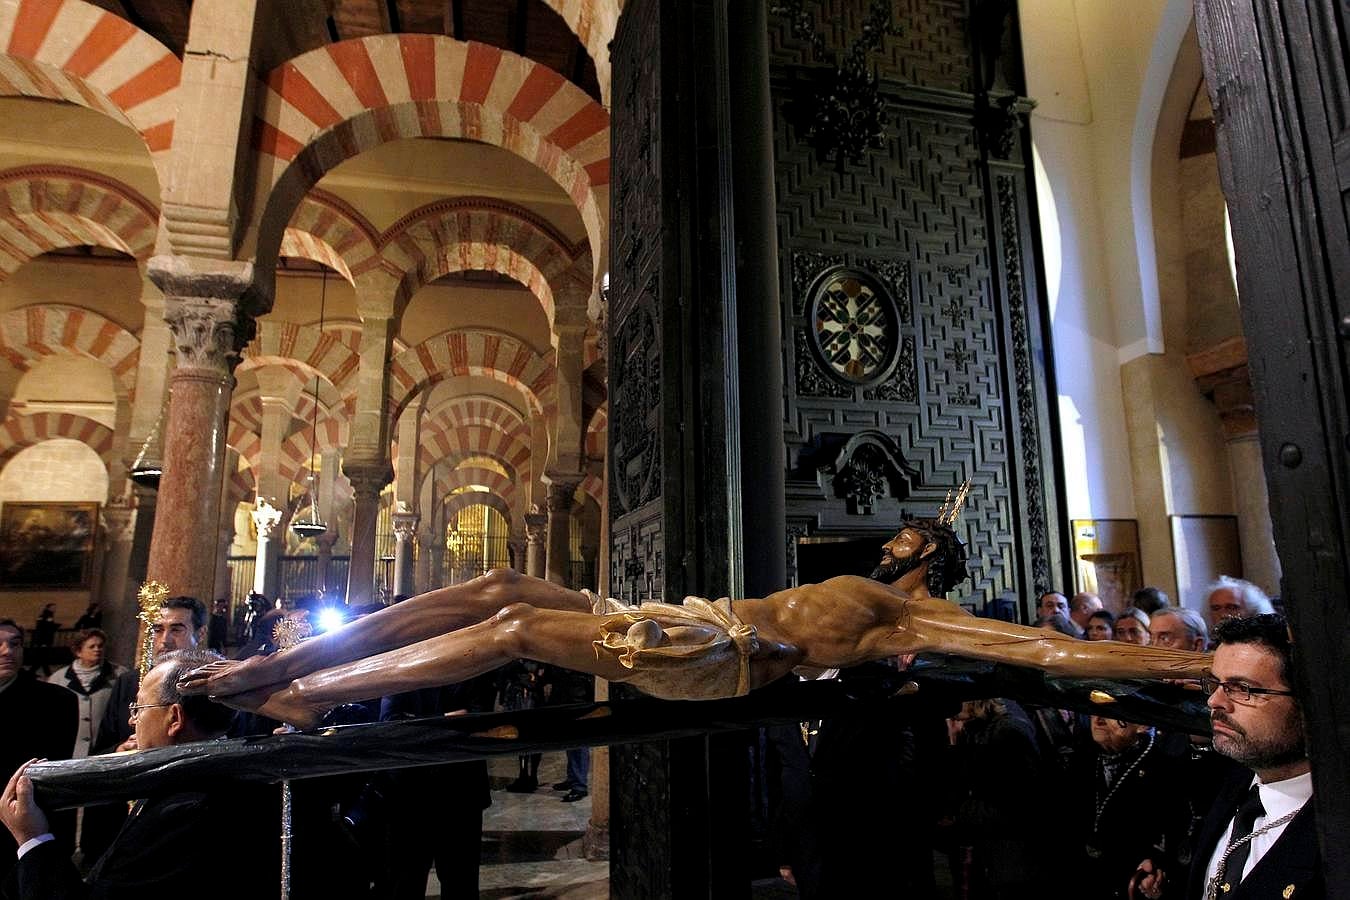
column 47, row 546
column 1106, row 560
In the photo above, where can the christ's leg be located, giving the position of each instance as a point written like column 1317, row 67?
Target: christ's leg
column 520, row 631
column 417, row 619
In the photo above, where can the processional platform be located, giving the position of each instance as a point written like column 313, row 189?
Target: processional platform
column 932, row 688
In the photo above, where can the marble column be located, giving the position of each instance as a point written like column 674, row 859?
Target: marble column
column 536, row 527
column 115, row 589
column 205, row 310
column 266, row 577
column 405, row 535
column 367, row 482
column 561, row 499
column 436, row 565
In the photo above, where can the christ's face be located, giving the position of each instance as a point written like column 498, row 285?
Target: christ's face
column 902, row 553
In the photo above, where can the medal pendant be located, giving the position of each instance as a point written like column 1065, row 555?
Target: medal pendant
column 1093, row 852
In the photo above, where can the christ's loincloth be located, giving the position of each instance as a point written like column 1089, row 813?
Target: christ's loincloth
column 701, row 652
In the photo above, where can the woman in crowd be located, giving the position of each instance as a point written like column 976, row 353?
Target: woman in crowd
column 91, row 678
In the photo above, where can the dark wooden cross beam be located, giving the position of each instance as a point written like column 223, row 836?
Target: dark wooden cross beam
column 932, row 691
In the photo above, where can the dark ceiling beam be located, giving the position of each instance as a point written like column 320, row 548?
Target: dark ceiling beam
column 395, row 20
column 454, row 19
column 518, row 26
column 333, row 33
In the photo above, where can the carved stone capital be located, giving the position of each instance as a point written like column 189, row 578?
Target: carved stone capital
column 208, row 333
column 405, row 526
column 119, row 523
column 368, row 480
column 536, row 528
column 562, row 493
column 266, row 518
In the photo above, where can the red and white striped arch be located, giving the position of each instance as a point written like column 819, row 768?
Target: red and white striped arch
column 333, row 223
column 477, row 234
column 490, row 354
column 32, row 333
column 299, row 244
column 593, row 486
column 457, row 502
column 451, row 480
column 593, row 22
column 243, row 440
column 306, row 351
column 20, row 432
column 75, row 52
column 44, row 208
column 330, row 104
column 455, row 445
column 481, row 411
column 597, row 431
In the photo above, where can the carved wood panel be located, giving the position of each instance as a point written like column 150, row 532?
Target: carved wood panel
column 969, row 398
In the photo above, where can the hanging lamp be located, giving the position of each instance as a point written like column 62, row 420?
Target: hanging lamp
column 313, row 526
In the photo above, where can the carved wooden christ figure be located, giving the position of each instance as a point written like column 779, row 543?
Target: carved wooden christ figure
column 699, row 650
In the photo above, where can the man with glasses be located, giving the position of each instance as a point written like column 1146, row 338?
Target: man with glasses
column 170, row 839
column 1178, row 629
column 1260, row 838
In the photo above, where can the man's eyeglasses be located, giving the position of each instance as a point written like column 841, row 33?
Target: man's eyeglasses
column 1237, row 691
column 134, row 709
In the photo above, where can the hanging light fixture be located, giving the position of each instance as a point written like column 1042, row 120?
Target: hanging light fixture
column 313, row 527
column 146, row 469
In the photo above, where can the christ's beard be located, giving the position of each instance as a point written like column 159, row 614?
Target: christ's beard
column 891, row 569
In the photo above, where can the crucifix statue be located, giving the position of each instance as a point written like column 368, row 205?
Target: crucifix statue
column 700, row 649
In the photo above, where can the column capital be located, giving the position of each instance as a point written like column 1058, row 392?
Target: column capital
column 208, row 333
column 119, row 522
column 405, row 525
column 536, row 526
column 562, row 491
column 266, row 518
column 368, row 479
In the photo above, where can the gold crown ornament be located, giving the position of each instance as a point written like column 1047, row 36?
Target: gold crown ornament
column 950, row 509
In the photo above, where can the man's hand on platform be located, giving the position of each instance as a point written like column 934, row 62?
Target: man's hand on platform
column 19, row 811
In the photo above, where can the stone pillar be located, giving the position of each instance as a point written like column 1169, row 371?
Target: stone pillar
column 225, row 540
column 1231, row 391
column 405, row 536
column 267, row 520
column 325, row 544
column 205, row 312
column 517, row 545
column 561, row 498
column 367, row 482
column 422, row 577
column 115, row 591
column 759, row 334
column 436, row 565
column 536, row 524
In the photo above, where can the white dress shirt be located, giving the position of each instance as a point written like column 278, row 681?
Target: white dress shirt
column 1279, row 798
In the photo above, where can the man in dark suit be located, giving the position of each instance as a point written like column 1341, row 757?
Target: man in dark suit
column 36, row 720
column 1260, row 839
column 169, row 840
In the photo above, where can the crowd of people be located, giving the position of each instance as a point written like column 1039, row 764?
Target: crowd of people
column 1028, row 801
column 1019, row 800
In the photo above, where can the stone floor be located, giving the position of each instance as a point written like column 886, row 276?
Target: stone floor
column 532, row 842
